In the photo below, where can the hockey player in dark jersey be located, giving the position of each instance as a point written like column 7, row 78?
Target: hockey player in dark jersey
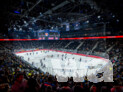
column 80, row 59
column 28, row 59
column 62, row 58
column 40, row 60
column 65, row 57
column 44, row 58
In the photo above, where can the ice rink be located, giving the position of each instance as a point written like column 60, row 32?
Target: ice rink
column 63, row 64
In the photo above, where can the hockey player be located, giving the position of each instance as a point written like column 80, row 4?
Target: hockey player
column 28, row 59
column 62, row 55
column 32, row 63
column 65, row 57
column 80, row 59
column 40, row 60
column 62, row 58
column 44, row 58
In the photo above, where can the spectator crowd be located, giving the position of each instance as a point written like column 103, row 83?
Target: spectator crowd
column 16, row 75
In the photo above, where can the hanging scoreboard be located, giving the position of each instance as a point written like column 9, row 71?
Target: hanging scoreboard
column 48, row 35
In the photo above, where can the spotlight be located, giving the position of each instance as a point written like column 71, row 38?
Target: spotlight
column 20, row 29
column 98, row 17
column 117, row 20
column 26, row 16
column 14, row 28
column 113, row 16
column 30, row 28
column 87, row 21
column 24, row 22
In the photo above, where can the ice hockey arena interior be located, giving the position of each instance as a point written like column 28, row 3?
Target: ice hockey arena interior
column 61, row 46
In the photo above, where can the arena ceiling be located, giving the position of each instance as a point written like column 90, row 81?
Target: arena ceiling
column 46, row 12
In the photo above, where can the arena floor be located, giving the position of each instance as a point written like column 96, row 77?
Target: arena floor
column 64, row 64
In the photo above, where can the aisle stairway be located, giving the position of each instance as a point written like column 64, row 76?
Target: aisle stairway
column 68, row 44
column 79, row 45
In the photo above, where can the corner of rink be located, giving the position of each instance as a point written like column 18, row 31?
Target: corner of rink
column 95, row 68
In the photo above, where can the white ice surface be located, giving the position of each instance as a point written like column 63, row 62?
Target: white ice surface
column 55, row 65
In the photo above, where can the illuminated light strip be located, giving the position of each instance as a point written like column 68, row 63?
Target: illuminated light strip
column 99, row 37
column 77, row 38
column 18, row 39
